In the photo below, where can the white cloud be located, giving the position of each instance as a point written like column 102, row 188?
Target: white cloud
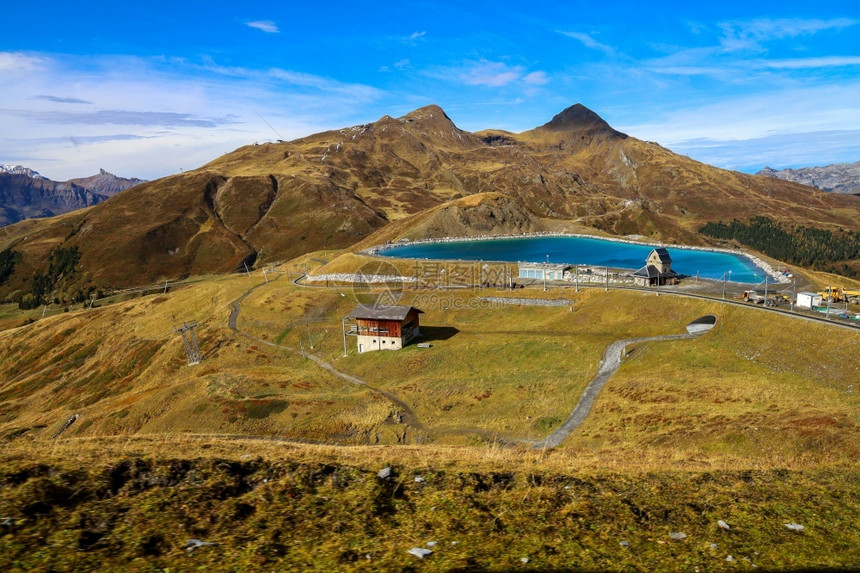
column 15, row 62
column 491, row 74
column 264, row 25
column 416, row 35
column 589, row 42
column 766, row 29
column 538, row 78
column 171, row 115
column 798, row 110
column 822, row 62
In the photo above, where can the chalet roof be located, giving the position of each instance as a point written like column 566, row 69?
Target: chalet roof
column 382, row 312
column 648, row 271
column 663, row 255
column 652, row 272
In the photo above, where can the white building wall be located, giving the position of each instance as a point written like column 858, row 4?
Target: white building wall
column 808, row 299
column 371, row 343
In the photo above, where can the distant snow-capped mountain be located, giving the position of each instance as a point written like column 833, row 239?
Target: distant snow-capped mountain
column 25, row 194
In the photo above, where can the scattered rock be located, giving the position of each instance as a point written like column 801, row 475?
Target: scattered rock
column 420, row 552
column 723, row 525
column 384, row 473
column 453, row 543
column 193, row 544
column 7, row 522
column 714, row 545
column 624, row 543
column 432, row 543
column 678, row 535
column 794, row 526
column 524, row 560
column 419, row 479
column 730, row 559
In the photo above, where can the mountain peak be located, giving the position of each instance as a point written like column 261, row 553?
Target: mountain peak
column 579, row 118
column 427, row 111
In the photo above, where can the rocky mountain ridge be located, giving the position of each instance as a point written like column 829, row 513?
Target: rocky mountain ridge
column 836, row 178
column 26, row 194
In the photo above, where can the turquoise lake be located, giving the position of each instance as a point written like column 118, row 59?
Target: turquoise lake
column 585, row 251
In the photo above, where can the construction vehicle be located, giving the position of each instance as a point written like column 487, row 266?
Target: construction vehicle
column 839, row 294
column 771, row 298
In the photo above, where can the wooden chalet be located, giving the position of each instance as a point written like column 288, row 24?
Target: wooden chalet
column 386, row 327
column 657, row 270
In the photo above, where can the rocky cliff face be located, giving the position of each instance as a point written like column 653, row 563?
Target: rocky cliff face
column 837, row 178
column 25, row 194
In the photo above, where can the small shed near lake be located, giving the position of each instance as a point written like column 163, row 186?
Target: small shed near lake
column 808, row 300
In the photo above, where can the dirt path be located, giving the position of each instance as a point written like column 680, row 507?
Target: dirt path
column 407, row 416
column 610, row 363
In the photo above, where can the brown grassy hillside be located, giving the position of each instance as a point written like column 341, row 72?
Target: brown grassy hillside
column 330, row 190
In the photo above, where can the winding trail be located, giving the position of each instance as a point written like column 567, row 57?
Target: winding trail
column 408, row 417
column 610, row 363
column 608, row 366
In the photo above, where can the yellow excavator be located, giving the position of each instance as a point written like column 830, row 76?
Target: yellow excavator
column 839, row 294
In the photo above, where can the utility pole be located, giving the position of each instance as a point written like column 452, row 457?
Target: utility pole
column 189, row 340
column 165, row 287
column 544, row 272
column 343, row 326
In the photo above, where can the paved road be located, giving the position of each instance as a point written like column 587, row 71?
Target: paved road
column 610, row 363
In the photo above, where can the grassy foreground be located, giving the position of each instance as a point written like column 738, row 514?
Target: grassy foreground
column 134, row 504
column 755, row 423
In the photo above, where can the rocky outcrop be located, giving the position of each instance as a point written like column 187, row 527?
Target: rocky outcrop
column 24, row 194
column 836, row 178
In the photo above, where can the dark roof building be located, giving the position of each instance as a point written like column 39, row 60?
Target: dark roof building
column 385, row 327
column 657, row 270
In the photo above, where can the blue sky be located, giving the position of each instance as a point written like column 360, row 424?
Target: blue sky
column 152, row 88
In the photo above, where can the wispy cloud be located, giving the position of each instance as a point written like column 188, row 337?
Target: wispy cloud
column 264, row 25
column 589, row 42
column 121, row 117
column 538, row 78
column 492, row 74
column 822, row 62
column 160, row 106
column 57, row 99
column 15, row 62
column 87, row 139
column 776, row 150
column 417, row 35
column 766, row 29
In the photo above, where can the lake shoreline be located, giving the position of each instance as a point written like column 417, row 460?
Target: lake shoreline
column 378, row 250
